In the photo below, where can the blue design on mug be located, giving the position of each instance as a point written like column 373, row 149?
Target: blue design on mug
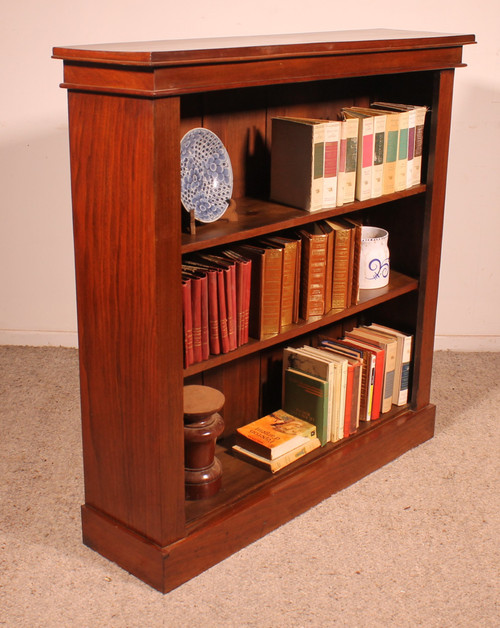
column 379, row 268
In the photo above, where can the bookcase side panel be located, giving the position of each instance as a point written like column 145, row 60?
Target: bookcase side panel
column 433, row 232
column 125, row 221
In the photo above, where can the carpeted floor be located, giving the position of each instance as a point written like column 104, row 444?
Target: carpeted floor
column 414, row 544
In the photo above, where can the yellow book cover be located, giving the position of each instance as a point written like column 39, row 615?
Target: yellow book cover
column 275, row 434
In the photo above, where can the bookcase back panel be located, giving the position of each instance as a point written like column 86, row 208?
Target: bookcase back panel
column 239, row 381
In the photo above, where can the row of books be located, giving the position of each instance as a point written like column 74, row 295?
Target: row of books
column 216, row 304
column 329, row 390
column 318, row 164
column 261, row 287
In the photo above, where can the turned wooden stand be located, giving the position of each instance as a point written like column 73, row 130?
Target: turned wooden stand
column 202, row 426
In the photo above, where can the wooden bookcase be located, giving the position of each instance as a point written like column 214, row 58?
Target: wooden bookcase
column 129, row 106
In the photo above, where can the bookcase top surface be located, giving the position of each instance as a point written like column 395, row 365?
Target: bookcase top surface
column 248, row 48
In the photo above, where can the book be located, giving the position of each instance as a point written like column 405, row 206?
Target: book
column 372, row 377
column 301, row 359
column 213, row 301
column 403, row 362
column 353, row 390
column 417, row 142
column 228, row 270
column 306, row 397
column 275, row 434
column 313, row 271
column 342, row 275
column 389, row 345
column 275, row 464
column 331, row 163
column 355, row 257
column 265, row 290
column 187, row 321
column 400, row 178
column 243, row 284
column 196, row 313
column 297, row 162
column 348, row 158
column 330, row 244
column 364, row 166
column 379, row 147
column 339, row 392
column 290, row 283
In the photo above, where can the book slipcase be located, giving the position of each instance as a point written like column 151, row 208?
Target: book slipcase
column 129, row 106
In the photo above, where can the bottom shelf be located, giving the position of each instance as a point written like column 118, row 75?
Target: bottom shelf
column 241, row 478
column 253, row 502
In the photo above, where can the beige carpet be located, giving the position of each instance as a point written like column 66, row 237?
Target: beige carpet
column 414, row 544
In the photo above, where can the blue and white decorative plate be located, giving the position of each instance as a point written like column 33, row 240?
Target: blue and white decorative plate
column 206, row 175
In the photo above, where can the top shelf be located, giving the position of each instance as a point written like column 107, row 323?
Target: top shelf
column 254, row 218
column 255, row 48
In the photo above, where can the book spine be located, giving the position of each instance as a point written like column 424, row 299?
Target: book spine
column 341, row 261
column 419, row 143
column 187, row 323
column 402, row 160
column 196, row 310
column 213, row 314
column 271, row 291
column 332, row 139
column 317, row 182
column 378, row 155
column 247, row 280
column 205, row 341
column 411, row 147
column 313, row 275
column 351, row 159
column 229, row 288
column 288, row 283
column 223, row 328
column 405, row 370
column 365, row 159
column 391, row 153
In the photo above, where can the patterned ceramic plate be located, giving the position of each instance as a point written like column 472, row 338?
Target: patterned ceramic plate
column 206, row 175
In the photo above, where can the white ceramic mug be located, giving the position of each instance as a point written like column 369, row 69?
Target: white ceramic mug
column 374, row 258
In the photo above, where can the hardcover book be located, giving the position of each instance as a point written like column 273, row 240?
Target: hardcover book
column 290, row 284
column 297, row 162
column 364, row 165
column 313, row 271
column 348, row 158
column 265, row 293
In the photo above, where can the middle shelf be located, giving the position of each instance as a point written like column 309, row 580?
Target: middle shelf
column 399, row 284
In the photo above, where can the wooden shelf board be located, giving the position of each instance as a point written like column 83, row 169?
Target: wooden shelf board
column 253, row 218
column 399, row 284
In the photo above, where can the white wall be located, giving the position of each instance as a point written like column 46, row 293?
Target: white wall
column 37, row 292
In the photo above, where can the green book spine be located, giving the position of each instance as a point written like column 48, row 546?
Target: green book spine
column 306, row 397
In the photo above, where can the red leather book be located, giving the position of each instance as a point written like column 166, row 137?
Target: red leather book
column 187, row 319
column 243, row 280
column 228, row 269
column 196, row 307
column 213, row 301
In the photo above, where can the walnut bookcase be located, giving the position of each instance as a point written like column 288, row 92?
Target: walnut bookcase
column 129, row 106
